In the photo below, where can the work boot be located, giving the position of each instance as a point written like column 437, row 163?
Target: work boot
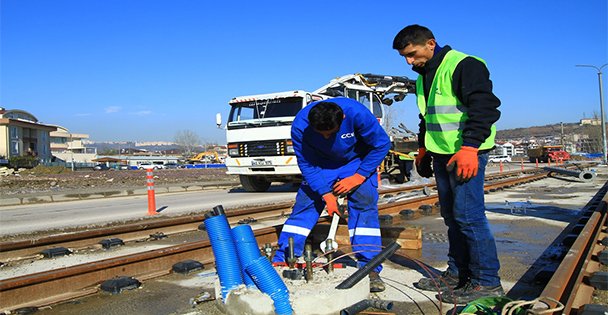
column 440, row 283
column 469, row 292
column 375, row 282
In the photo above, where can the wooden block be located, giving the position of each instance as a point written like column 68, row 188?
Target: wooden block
column 411, row 233
column 342, row 240
column 407, row 237
column 409, row 244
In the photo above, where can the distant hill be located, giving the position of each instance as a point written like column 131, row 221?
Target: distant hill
column 111, row 146
column 541, row 131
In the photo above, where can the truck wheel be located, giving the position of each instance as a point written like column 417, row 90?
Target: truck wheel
column 254, row 183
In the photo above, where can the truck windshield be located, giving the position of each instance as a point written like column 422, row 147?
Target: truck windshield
column 263, row 109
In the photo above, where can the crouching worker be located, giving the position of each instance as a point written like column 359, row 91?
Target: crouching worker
column 338, row 144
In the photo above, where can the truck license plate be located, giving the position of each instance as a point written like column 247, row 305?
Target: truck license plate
column 260, row 162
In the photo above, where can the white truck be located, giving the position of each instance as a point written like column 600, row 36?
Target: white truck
column 258, row 129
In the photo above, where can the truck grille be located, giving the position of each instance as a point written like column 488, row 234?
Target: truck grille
column 262, row 148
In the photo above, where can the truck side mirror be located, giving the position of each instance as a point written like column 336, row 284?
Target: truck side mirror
column 218, row 120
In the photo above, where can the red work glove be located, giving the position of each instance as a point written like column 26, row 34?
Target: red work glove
column 348, row 184
column 466, row 163
column 332, row 204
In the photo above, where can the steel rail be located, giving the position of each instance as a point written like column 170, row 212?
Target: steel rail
column 414, row 203
column 30, row 249
column 569, row 283
column 11, row 249
column 45, row 288
column 52, row 286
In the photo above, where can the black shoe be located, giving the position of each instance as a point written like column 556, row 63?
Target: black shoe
column 375, row 282
column 439, row 283
column 469, row 292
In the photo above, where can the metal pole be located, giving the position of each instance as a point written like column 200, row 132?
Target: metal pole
column 71, row 148
column 599, row 77
column 562, row 137
column 603, row 119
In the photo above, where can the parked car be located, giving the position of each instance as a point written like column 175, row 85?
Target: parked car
column 101, row 167
column 122, row 167
column 144, row 166
column 499, row 158
column 171, row 165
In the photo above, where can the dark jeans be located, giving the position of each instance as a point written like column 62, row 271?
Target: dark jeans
column 472, row 249
column 405, row 170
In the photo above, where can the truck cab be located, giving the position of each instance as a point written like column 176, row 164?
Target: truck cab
column 258, row 129
column 258, row 132
column 548, row 153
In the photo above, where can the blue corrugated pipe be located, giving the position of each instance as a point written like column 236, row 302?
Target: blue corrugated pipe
column 224, row 250
column 247, row 249
column 268, row 281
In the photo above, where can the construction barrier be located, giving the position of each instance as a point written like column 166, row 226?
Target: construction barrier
column 151, row 196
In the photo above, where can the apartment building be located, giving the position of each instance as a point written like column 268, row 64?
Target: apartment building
column 22, row 134
column 69, row 147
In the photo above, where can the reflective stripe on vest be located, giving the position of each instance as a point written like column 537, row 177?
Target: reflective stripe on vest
column 445, row 115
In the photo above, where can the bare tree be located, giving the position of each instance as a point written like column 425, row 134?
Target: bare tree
column 394, row 114
column 188, row 140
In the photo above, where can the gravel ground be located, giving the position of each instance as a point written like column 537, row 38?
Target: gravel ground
column 522, row 239
column 45, row 180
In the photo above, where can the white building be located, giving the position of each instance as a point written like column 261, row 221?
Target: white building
column 506, row 148
column 21, row 134
column 70, row 147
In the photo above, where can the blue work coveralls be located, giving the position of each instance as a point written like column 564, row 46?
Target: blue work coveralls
column 359, row 146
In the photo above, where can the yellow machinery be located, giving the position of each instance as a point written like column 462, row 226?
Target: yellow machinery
column 205, row 157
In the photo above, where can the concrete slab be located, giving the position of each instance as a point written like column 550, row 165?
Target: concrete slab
column 6, row 201
column 245, row 301
column 317, row 297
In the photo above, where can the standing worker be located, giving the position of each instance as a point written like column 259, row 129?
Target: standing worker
column 457, row 114
column 406, row 164
column 338, row 144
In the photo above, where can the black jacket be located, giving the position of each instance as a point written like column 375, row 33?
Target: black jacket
column 471, row 84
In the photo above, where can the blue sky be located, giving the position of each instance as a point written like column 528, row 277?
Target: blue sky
column 141, row 70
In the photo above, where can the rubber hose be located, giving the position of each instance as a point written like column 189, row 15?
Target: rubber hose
column 365, row 304
column 226, row 260
column 365, row 270
column 247, row 249
column 219, row 210
column 268, row 281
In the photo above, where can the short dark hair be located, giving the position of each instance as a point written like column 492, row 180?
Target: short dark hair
column 412, row 34
column 325, row 116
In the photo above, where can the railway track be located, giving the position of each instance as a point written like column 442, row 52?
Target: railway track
column 31, row 248
column 52, row 286
column 571, row 282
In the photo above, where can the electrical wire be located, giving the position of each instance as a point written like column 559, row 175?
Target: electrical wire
column 420, row 264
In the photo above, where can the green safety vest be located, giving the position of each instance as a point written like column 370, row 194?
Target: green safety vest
column 408, row 157
column 444, row 114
